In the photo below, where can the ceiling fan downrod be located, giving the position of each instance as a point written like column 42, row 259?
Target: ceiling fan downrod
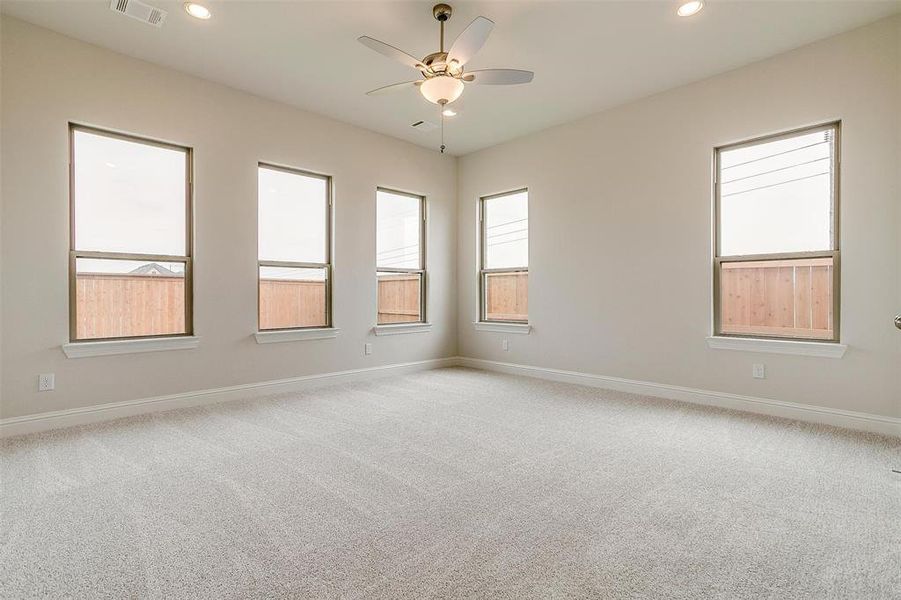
column 442, row 12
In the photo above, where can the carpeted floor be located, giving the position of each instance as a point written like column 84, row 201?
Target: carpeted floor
column 451, row 483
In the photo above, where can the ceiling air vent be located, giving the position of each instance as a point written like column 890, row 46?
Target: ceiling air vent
column 140, row 11
column 424, row 126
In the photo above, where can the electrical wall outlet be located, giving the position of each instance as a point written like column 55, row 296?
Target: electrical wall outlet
column 505, row 345
column 46, row 382
column 367, row 349
column 758, row 371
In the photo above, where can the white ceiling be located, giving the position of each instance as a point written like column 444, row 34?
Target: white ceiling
column 587, row 56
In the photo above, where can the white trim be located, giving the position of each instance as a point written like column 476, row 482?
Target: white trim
column 109, row 347
column 117, row 410
column 402, row 328
column 778, row 408
column 295, row 335
column 523, row 328
column 798, row 347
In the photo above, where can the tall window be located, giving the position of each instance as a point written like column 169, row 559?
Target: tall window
column 504, row 272
column 400, row 257
column 777, row 245
column 130, row 238
column 294, row 249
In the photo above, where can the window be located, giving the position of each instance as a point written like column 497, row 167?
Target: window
column 777, row 256
column 504, row 261
column 400, row 257
column 130, row 239
column 294, row 249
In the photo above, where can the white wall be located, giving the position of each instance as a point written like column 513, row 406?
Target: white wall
column 620, row 217
column 49, row 80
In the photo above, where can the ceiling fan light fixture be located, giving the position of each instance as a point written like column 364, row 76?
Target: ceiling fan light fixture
column 441, row 89
column 687, row 9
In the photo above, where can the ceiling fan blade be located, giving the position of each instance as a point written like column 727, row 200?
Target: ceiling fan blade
column 394, row 87
column 470, row 41
column 391, row 52
column 498, row 76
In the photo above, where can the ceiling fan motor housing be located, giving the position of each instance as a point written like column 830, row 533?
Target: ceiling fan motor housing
column 436, row 64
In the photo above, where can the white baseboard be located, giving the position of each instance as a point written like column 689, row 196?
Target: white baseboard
column 777, row 408
column 116, row 410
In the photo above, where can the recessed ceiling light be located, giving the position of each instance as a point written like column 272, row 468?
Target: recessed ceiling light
column 690, row 8
column 447, row 112
column 198, row 11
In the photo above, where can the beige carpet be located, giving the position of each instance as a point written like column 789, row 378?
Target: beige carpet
column 451, row 484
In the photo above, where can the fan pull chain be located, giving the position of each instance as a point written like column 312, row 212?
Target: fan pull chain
column 441, row 110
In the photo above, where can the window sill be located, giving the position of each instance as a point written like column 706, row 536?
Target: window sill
column 110, row 347
column 796, row 347
column 521, row 328
column 402, row 328
column 295, row 335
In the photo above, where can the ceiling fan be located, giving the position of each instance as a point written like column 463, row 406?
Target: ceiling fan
column 443, row 74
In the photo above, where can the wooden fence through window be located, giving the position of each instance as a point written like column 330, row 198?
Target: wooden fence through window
column 507, row 296
column 286, row 303
column 399, row 298
column 790, row 298
column 110, row 305
column 784, row 297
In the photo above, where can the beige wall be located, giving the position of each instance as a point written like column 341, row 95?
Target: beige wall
column 49, row 80
column 615, row 195
column 612, row 196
